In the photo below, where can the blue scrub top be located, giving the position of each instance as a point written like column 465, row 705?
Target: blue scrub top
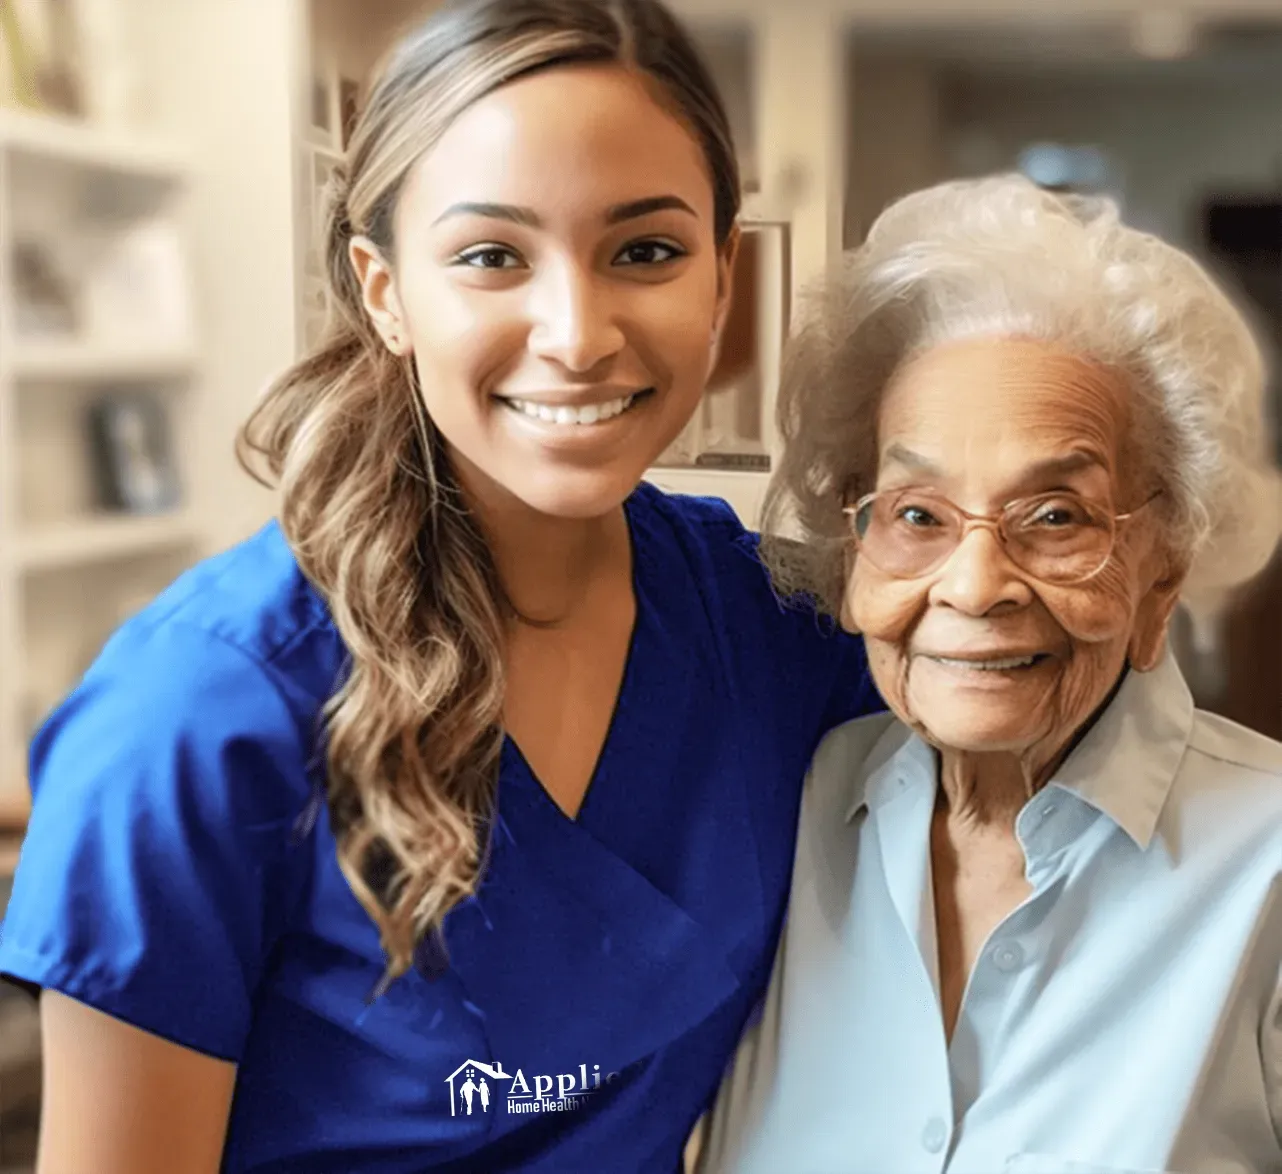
column 179, row 873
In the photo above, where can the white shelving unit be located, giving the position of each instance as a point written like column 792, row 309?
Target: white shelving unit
column 335, row 68
column 71, row 569
column 739, row 419
column 48, row 362
column 71, row 145
column 70, row 545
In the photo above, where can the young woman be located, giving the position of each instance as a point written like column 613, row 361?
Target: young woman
column 446, row 823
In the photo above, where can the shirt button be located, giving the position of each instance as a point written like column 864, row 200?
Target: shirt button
column 934, row 1135
column 1008, row 956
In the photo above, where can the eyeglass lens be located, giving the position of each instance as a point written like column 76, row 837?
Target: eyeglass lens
column 1054, row 537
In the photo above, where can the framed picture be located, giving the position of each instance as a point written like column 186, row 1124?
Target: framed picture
column 322, row 103
column 349, row 107
column 319, row 174
column 321, row 124
column 132, row 453
column 331, row 104
column 733, row 426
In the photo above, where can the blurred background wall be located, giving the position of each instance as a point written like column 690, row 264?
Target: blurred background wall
column 161, row 166
column 161, row 169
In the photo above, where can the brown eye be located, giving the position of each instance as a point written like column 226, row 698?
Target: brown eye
column 1057, row 515
column 648, row 253
column 489, row 257
column 918, row 517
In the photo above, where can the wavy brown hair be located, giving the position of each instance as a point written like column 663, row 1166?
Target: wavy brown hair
column 370, row 505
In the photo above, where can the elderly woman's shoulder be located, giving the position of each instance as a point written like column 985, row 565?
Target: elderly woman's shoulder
column 1227, row 790
column 1219, row 741
column 850, row 753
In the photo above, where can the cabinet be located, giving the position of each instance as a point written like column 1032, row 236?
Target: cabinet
column 97, row 349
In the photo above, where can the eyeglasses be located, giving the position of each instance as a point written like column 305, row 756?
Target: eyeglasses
column 1055, row 537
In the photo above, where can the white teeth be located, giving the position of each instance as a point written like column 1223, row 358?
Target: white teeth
column 591, row 414
column 1014, row 662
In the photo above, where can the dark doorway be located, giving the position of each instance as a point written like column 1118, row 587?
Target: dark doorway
column 1243, row 237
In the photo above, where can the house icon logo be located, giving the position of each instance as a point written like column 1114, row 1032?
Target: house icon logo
column 474, row 1086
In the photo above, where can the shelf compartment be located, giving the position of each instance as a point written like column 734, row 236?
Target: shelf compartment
column 108, row 538
column 87, row 362
column 69, row 143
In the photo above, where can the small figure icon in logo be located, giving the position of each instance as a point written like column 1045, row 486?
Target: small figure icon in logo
column 468, row 1090
column 475, row 1088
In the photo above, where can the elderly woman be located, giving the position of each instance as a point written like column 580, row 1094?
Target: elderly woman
column 1036, row 918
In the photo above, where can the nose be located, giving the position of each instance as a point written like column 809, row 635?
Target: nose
column 979, row 579
column 574, row 319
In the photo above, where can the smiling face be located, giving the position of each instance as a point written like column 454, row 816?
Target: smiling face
column 982, row 423
column 558, row 281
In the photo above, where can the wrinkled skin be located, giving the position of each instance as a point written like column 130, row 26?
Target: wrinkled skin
column 984, row 422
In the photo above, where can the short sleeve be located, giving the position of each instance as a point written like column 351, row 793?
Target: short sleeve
column 159, row 864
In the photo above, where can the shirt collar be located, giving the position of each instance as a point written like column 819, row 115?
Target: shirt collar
column 1124, row 767
column 897, row 757
column 1126, row 764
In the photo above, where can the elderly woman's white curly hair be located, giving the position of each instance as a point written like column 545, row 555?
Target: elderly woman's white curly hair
column 1001, row 257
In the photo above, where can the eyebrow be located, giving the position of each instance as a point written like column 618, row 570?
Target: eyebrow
column 1073, row 462
column 618, row 214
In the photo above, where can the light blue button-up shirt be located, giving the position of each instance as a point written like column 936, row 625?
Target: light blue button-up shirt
column 1126, row 1017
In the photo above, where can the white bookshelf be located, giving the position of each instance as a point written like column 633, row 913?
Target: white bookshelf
column 54, row 142
column 70, row 567
column 75, row 361
column 336, row 49
column 71, row 545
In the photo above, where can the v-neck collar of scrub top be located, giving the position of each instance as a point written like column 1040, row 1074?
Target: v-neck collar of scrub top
column 1123, row 768
column 617, row 968
column 514, row 762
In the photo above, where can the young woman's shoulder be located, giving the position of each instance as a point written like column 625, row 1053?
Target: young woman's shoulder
column 253, row 597
column 168, row 788
column 706, row 536
column 796, row 653
column 707, row 522
column 238, row 649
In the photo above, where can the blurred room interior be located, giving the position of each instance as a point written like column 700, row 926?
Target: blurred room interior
column 162, row 164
